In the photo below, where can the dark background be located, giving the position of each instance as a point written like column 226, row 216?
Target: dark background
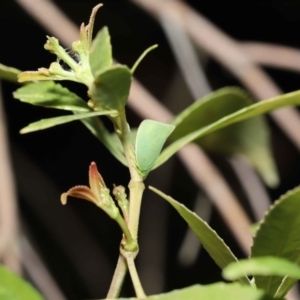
column 78, row 243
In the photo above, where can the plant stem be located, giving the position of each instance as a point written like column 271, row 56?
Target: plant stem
column 136, row 187
column 136, row 184
column 118, row 279
column 134, row 276
column 130, row 243
column 136, row 192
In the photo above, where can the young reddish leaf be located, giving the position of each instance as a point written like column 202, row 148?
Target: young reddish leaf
column 95, row 180
column 81, row 192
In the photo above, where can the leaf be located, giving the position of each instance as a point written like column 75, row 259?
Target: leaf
column 240, row 115
column 216, row 291
column 213, row 244
column 101, row 52
column 286, row 284
column 111, row 87
column 278, row 235
column 110, row 141
column 13, row 287
column 263, row 266
column 139, row 60
column 150, row 138
column 52, row 95
column 9, row 73
column 51, row 122
column 81, row 192
column 251, row 138
column 43, row 74
column 254, row 227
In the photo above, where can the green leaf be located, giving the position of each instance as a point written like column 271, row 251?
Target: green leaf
column 39, row 75
column 150, row 138
column 286, row 284
column 263, row 266
column 111, row 87
column 249, row 138
column 101, row 52
column 240, row 115
column 254, row 227
column 52, row 95
column 13, row 287
column 51, row 122
column 139, row 60
column 212, row 243
column 110, row 141
column 216, row 291
column 9, row 73
column 278, row 235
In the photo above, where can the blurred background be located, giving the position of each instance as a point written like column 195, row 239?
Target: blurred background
column 69, row 252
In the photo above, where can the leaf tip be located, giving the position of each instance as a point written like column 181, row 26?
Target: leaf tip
column 24, row 130
column 63, row 198
column 151, row 188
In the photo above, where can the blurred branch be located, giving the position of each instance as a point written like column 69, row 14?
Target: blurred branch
column 38, row 272
column 185, row 54
column 8, row 201
column 271, row 55
column 229, row 53
column 205, row 174
column 52, row 19
column 252, row 185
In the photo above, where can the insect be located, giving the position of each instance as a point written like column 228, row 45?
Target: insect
column 73, row 55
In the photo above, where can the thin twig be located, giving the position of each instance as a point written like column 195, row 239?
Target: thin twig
column 118, row 279
column 135, row 277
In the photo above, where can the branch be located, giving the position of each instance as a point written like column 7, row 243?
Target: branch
column 38, row 272
column 272, row 55
column 8, row 202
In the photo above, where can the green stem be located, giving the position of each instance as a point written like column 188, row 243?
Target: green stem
column 136, row 185
column 118, row 279
column 136, row 188
column 130, row 243
column 136, row 192
column 142, row 57
column 135, row 277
